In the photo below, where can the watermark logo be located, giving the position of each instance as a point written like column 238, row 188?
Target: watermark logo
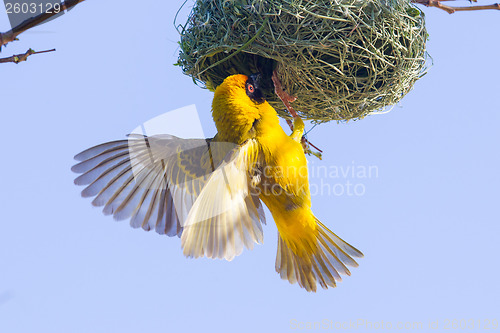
column 463, row 324
column 341, row 180
column 19, row 11
column 184, row 162
column 187, row 164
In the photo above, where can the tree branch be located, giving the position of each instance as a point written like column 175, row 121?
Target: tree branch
column 12, row 34
column 451, row 9
column 23, row 56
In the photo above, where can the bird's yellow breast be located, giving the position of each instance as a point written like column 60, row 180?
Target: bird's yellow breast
column 284, row 186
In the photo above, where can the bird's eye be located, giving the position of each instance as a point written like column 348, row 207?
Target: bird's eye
column 253, row 91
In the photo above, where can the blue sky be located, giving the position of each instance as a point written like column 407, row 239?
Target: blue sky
column 427, row 220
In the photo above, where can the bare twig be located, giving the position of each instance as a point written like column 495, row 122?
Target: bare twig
column 23, row 56
column 451, row 9
column 11, row 35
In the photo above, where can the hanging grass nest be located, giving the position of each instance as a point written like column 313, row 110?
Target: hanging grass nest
column 342, row 59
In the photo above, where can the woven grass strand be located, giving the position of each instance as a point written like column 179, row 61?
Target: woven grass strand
column 342, row 59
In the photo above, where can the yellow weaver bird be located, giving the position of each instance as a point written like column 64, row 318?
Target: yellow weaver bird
column 209, row 191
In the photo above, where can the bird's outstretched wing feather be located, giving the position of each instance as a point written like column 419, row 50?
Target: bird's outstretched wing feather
column 177, row 186
column 227, row 213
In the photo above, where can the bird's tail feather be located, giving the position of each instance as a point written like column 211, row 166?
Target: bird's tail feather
column 322, row 263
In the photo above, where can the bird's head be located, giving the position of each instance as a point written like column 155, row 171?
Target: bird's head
column 239, row 104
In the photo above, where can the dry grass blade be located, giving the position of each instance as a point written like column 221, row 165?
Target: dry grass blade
column 342, row 59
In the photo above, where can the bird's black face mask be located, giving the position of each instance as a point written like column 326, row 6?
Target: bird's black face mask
column 252, row 87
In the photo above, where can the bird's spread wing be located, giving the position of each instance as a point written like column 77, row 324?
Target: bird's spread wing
column 227, row 214
column 157, row 181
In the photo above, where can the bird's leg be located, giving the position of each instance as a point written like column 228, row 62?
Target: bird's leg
column 297, row 129
column 283, row 95
column 297, row 126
